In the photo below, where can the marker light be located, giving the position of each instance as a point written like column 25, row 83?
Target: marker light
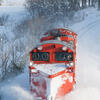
column 64, row 48
column 71, row 64
column 31, row 63
column 67, row 65
column 39, row 48
column 58, row 38
column 33, row 70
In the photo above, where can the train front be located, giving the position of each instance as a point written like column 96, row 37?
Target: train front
column 52, row 65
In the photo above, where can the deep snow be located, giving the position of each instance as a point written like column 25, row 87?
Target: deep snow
column 87, row 65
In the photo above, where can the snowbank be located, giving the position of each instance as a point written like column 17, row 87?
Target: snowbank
column 88, row 67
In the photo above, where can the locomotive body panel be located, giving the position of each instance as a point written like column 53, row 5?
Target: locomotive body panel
column 54, row 51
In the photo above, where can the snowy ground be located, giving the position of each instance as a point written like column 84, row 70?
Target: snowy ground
column 87, row 69
column 88, row 66
column 13, row 2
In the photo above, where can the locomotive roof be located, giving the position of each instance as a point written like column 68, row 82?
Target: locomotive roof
column 54, row 41
column 60, row 32
column 57, row 42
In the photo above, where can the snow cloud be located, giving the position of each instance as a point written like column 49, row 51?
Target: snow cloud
column 14, row 92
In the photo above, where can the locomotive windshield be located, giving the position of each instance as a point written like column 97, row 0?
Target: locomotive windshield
column 40, row 56
column 63, row 56
column 44, row 56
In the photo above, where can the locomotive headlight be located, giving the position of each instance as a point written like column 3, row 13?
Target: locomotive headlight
column 67, row 65
column 40, row 48
column 64, row 48
column 31, row 63
column 33, row 70
column 58, row 38
column 71, row 64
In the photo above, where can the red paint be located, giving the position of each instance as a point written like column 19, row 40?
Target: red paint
column 57, row 74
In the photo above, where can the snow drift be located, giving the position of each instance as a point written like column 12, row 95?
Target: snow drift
column 13, row 92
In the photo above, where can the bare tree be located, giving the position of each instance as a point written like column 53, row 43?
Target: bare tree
column 0, row 2
column 0, row 97
column 12, row 58
column 89, row 3
column 18, row 56
column 4, row 55
column 3, row 19
column 83, row 3
column 49, row 8
column 98, row 4
column 93, row 3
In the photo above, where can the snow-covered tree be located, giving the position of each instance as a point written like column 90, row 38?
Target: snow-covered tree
column 12, row 56
column 17, row 55
column 49, row 8
column 4, row 55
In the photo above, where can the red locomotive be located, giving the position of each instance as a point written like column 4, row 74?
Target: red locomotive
column 52, row 64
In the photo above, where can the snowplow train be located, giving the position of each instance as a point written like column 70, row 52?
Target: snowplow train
column 52, row 65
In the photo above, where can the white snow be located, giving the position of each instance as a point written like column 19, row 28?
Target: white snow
column 13, row 2
column 50, row 69
column 87, row 68
column 16, row 88
column 54, row 41
column 55, row 83
column 15, row 93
